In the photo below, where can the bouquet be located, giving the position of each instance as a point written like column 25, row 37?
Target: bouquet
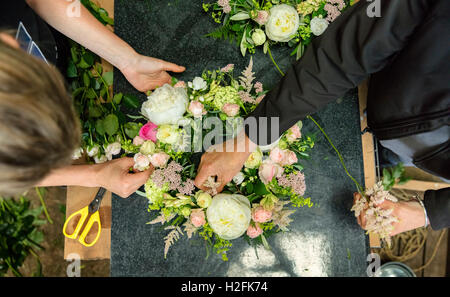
column 255, row 23
column 256, row 203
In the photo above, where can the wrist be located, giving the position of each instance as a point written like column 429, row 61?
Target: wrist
column 414, row 213
column 128, row 61
column 95, row 175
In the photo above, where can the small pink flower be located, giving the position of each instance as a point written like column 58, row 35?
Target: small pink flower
column 277, row 155
column 197, row 109
column 180, row 84
column 159, row 159
column 268, row 170
column 149, row 131
column 198, row 217
column 262, row 17
column 137, row 141
column 260, row 215
column 227, row 68
column 293, row 133
column 231, row 109
column 254, row 231
column 289, row 158
column 259, row 87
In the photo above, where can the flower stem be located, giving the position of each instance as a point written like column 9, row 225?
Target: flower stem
column 341, row 159
column 273, row 61
column 38, row 191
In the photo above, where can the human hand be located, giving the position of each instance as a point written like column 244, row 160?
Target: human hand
column 146, row 73
column 410, row 215
column 224, row 161
column 116, row 177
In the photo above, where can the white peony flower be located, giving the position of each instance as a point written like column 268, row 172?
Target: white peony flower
column 229, row 215
column 113, row 149
column 283, row 23
column 259, row 37
column 198, row 84
column 239, row 178
column 318, row 25
column 101, row 159
column 169, row 134
column 77, row 153
column 93, row 151
column 166, row 105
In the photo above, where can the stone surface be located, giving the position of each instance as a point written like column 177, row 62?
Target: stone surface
column 324, row 240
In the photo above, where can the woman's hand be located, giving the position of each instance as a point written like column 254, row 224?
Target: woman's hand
column 116, row 177
column 410, row 215
column 146, row 73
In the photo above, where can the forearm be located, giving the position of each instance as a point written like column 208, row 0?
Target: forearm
column 85, row 30
column 74, row 175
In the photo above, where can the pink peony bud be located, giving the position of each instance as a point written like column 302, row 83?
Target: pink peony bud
column 230, row 109
column 260, row 215
column 197, row 109
column 159, row 159
column 198, row 217
column 149, row 131
column 268, row 170
column 138, row 141
column 254, row 231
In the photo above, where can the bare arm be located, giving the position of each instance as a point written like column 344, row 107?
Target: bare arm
column 144, row 73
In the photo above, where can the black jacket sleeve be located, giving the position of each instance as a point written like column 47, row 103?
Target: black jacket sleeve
column 437, row 204
column 353, row 47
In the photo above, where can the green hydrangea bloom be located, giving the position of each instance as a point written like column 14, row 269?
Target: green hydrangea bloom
column 155, row 194
column 225, row 95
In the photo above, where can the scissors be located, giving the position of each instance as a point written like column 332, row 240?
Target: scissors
column 92, row 209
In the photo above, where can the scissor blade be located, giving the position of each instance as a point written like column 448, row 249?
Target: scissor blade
column 95, row 204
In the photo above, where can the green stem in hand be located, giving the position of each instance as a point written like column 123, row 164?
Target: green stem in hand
column 41, row 198
column 341, row 159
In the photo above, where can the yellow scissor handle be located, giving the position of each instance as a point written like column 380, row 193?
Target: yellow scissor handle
column 83, row 213
column 95, row 218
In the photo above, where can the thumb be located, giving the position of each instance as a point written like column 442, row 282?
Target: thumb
column 126, row 163
column 167, row 66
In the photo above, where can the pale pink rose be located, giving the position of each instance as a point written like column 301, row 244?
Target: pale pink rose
column 293, row 133
column 138, row 141
column 230, row 109
column 159, row 159
column 141, row 162
column 149, row 131
column 198, row 217
column 268, row 170
column 180, row 84
column 262, row 17
column 289, row 158
column 254, row 231
column 197, row 109
column 260, row 215
column 277, row 155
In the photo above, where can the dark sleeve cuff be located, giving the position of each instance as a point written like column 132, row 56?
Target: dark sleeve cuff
column 437, row 204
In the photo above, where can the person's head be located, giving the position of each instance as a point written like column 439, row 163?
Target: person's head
column 39, row 129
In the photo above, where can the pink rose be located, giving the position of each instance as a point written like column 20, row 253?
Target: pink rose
column 277, row 155
column 138, row 141
column 262, row 17
column 141, row 162
column 260, row 215
column 230, row 109
column 268, row 170
column 293, row 133
column 148, row 131
column 254, row 231
column 197, row 109
column 159, row 159
column 289, row 158
column 180, row 84
column 198, row 217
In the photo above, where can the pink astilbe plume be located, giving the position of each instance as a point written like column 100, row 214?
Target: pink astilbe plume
column 294, row 181
column 225, row 4
column 246, row 97
column 332, row 12
column 171, row 176
column 247, row 77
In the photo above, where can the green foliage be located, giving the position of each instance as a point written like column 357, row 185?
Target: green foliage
column 99, row 13
column 19, row 234
column 394, row 175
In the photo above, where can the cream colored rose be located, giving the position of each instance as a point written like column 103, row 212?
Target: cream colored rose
column 169, row 134
column 229, row 215
column 259, row 37
column 283, row 23
column 166, row 105
column 254, row 160
column 318, row 25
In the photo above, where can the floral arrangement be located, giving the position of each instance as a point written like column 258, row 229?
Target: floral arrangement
column 254, row 23
column 259, row 200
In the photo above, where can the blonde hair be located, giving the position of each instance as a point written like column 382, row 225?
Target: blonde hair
column 39, row 129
